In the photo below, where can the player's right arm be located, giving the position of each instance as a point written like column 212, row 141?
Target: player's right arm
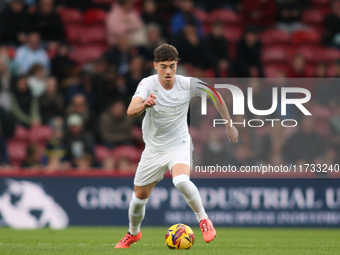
column 137, row 105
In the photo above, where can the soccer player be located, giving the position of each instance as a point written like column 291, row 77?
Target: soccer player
column 165, row 97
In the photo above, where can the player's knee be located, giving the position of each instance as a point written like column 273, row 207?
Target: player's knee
column 180, row 179
column 142, row 194
column 138, row 202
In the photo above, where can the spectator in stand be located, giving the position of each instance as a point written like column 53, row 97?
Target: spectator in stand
column 120, row 55
column 259, row 13
column 54, row 157
column 25, row 107
column 289, row 15
column 108, row 164
column 215, row 150
column 155, row 39
column 151, row 15
column 298, row 67
column 30, row 54
column 248, row 148
column 7, row 126
column 51, row 102
column 190, row 46
column 79, row 106
column 304, row 146
column 334, row 97
column 322, row 86
column 15, row 23
column 115, row 128
column 61, row 64
column 273, row 142
column 125, row 166
column 336, row 65
column 84, row 85
column 216, row 47
column 5, row 81
column 332, row 25
column 78, row 143
column 113, row 89
column 124, row 20
column 37, row 80
column 31, row 160
column 321, row 70
column 248, row 56
column 135, row 74
column 47, row 22
column 185, row 15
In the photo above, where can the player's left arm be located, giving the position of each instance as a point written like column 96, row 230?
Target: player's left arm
column 231, row 131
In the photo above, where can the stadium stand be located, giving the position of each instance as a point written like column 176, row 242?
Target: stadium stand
column 104, row 76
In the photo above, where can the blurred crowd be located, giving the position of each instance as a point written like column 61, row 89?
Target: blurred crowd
column 68, row 70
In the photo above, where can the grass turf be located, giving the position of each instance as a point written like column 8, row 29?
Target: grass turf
column 95, row 240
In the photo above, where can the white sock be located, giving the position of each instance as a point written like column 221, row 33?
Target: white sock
column 191, row 195
column 136, row 213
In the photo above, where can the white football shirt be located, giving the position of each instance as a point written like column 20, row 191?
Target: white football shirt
column 165, row 124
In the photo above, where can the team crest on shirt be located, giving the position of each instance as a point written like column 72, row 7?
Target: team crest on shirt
column 139, row 84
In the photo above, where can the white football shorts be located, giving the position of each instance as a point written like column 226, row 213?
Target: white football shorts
column 153, row 165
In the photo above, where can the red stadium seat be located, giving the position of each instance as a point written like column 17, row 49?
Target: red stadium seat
column 226, row 16
column 312, row 17
column 94, row 16
column 233, row 33
column 40, row 134
column 88, row 53
column 16, row 152
column 71, row 16
column 93, row 34
column 303, row 37
column 128, row 151
column 101, row 152
column 276, row 54
column 275, row 36
column 272, row 70
column 73, row 33
column 21, row 134
column 327, row 55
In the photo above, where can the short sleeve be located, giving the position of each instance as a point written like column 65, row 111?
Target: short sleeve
column 143, row 89
column 196, row 87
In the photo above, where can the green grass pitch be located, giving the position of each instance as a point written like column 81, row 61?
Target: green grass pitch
column 96, row 240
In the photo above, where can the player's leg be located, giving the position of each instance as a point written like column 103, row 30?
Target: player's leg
column 137, row 206
column 181, row 180
column 140, row 197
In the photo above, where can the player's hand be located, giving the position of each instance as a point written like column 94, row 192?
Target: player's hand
column 150, row 101
column 232, row 134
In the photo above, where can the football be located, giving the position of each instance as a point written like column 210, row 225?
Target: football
column 179, row 236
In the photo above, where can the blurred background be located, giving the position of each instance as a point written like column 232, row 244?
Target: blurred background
column 68, row 70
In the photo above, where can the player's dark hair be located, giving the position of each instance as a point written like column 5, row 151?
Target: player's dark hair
column 165, row 52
